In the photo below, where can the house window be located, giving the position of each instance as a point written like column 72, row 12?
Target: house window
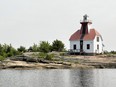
column 74, row 47
column 97, row 39
column 98, row 47
column 88, row 46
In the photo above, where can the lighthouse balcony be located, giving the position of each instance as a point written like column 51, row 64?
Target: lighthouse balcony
column 82, row 21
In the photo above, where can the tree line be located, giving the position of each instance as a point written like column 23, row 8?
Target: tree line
column 43, row 46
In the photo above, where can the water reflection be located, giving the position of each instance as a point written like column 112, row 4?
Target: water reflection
column 58, row 78
column 86, row 78
column 81, row 78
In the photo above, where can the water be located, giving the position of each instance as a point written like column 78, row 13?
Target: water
column 58, row 78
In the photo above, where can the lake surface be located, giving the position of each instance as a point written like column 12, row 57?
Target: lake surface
column 58, row 78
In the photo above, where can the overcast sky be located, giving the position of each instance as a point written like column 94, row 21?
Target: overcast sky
column 24, row 22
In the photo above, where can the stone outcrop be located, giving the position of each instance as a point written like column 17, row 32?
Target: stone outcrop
column 26, row 62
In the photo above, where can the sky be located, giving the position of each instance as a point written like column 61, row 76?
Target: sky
column 25, row 22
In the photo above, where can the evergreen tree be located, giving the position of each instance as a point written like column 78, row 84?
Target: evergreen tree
column 44, row 47
column 21, row 49
column 57, row 45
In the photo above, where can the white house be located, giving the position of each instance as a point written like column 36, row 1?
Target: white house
column 86, row 39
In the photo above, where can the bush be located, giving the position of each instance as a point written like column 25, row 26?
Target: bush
column 49, row 56
column 34, row 48
column 57, row 45
column 44, row 47
column 1, row 58
column 45, row 56
column 42, row 55
column 113, row 52
column 7, row 50
column 9, row 54
column 21, row 49
column 62, row 54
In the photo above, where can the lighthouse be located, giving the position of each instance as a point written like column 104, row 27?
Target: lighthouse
column 86, row 40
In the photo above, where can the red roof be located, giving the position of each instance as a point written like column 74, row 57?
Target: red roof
column 90, row 36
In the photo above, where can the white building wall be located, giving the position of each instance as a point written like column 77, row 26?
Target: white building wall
column 100, row 43
column 85, row 46
column 93, row 45
column 77, row 43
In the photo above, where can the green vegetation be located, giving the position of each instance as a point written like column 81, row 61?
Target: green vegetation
column 113, row 52
column 34, row 48
column 45, row 56
column 49, row 56
column 57, row 45
column 44, row 47
column 42, row 55
column 21, row 49
column 7, row 51
column 110, row 54
column 63, row 54
column 1, row 58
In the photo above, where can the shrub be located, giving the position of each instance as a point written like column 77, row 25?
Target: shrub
column 7, row 50
column 34, row 48
column 62, row 54
column 57, row 45
column 9, row 54
column 44, row 47
column 21, row 49
column 42, row 55
column 1, row 58
column 49, row 56
column 113, row 52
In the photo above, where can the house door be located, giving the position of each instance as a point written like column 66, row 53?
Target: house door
column 81, row 45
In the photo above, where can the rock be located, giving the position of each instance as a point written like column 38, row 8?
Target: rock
column 32, row 59
column 19, row 58
column 51, row 67
column 24, row 58
column 66, row 63
column 104, row 65
column 43, row 61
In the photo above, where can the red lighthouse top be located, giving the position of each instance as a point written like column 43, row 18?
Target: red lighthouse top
column 85, row 32
column 84, row 25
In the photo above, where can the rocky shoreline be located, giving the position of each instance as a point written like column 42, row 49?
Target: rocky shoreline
column 33, row 65
column 63, row 62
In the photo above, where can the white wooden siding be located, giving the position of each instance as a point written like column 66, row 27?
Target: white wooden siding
column 93, row 45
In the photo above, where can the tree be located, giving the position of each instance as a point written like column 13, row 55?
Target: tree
column 22, row 49
column 35, row 48
column 44, row 47
column 57, row 45
column 7, row 51
column 11, row 51
column 30, row 49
